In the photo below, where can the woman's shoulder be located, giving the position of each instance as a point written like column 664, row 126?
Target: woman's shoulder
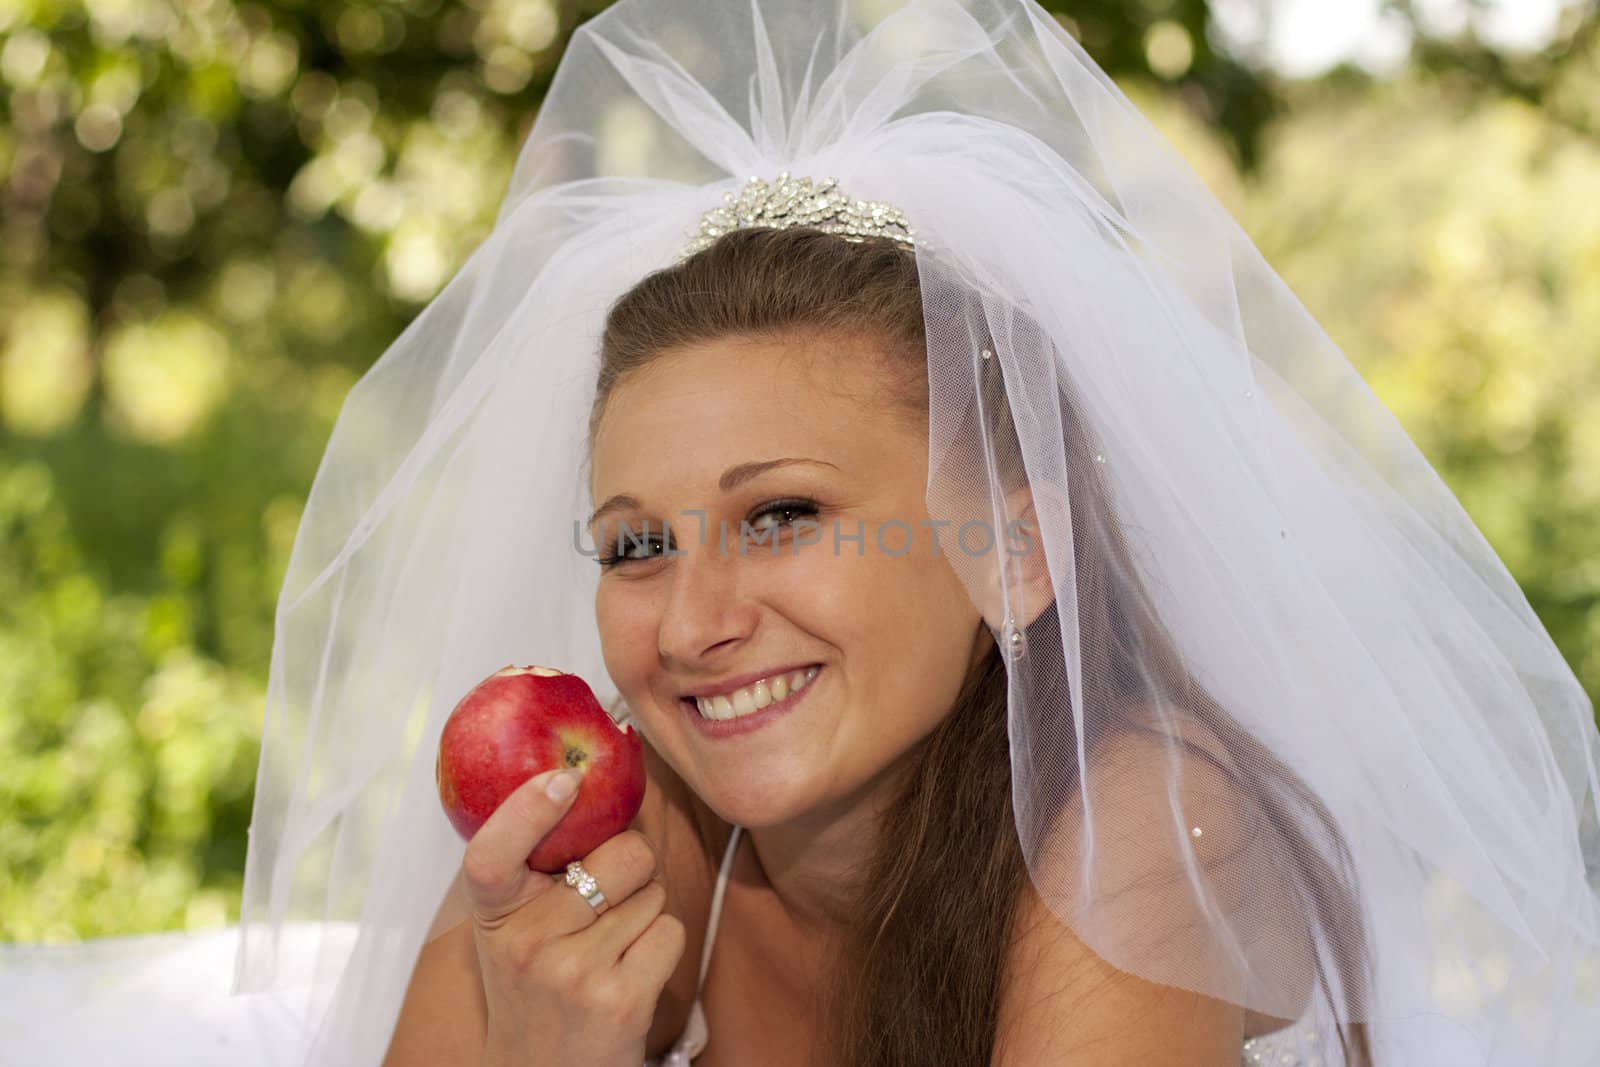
column 1137, row 898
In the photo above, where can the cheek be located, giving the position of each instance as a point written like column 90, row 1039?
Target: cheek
column 915, row 624
column 917, row 593
column 627, row 634
column 937, row 625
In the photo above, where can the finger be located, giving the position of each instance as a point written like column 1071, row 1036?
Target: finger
column 620, row 865
column 653, row 957
column 614, row 931
column 494, row 871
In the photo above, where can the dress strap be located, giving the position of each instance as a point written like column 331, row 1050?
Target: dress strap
column 716, row 907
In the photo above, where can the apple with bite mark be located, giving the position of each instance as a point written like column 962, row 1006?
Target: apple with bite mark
column 523, row 721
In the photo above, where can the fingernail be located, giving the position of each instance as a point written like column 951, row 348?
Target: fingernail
column 562, row 785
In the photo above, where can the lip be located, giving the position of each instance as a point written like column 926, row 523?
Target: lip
column 739, row 681
column 721, row 728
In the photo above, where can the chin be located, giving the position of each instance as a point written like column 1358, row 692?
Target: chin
column 757, row 801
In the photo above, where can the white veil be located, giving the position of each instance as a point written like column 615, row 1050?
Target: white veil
column 1362, row 783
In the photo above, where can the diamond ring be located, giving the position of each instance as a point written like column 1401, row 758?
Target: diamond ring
column 584, row 883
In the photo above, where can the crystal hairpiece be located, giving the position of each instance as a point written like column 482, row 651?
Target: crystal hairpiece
column 800, row 202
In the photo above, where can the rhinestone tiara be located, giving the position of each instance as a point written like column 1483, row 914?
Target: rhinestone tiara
column 790, row 202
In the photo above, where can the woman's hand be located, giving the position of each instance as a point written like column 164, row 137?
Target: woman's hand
column 563, row 983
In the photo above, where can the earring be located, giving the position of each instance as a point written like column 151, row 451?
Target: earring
column 1014, row 639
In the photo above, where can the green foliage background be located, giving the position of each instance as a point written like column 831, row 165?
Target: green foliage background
column 217, row 215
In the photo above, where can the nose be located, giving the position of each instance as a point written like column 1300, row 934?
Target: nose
column 705, row 612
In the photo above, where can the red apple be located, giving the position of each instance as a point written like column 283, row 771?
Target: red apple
column 522, row 721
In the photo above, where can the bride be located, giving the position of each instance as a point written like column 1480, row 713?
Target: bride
column 1046, row 648
column 815, row 672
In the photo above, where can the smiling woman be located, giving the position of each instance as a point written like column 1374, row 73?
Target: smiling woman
column 890, row 783
column 1046, row 649
column 753, row 598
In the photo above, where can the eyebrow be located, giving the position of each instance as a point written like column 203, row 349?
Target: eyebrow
column 731, row 479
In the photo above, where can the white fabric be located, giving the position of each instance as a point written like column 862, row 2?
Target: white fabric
column 155, row 1000
column 1346, row 651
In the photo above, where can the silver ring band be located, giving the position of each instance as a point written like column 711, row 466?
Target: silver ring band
column 584, row 883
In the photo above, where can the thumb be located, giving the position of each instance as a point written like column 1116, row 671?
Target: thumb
column 495, row 873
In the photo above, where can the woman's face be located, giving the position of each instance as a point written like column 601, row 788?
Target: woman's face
column 887, row 622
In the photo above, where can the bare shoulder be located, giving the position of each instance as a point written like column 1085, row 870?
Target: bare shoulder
column 444, row 1014
column 1062, row 998
column 1063, row 1003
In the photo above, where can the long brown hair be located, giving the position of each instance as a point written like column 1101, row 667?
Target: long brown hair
column 920, row 973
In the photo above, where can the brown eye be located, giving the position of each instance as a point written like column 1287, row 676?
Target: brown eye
column 793, row 509
column 627, row 546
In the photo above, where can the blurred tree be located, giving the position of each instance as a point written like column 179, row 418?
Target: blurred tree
column 224, row 153
column 1557, row 79
column 215, row 216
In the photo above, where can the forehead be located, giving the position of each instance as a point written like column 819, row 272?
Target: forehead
column 735, row 399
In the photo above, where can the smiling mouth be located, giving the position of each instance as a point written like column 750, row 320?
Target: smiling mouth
column 751, row 700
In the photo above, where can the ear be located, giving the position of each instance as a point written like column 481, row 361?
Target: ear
column 1019, row 554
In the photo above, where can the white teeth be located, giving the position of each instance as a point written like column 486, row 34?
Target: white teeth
column 750, row 699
